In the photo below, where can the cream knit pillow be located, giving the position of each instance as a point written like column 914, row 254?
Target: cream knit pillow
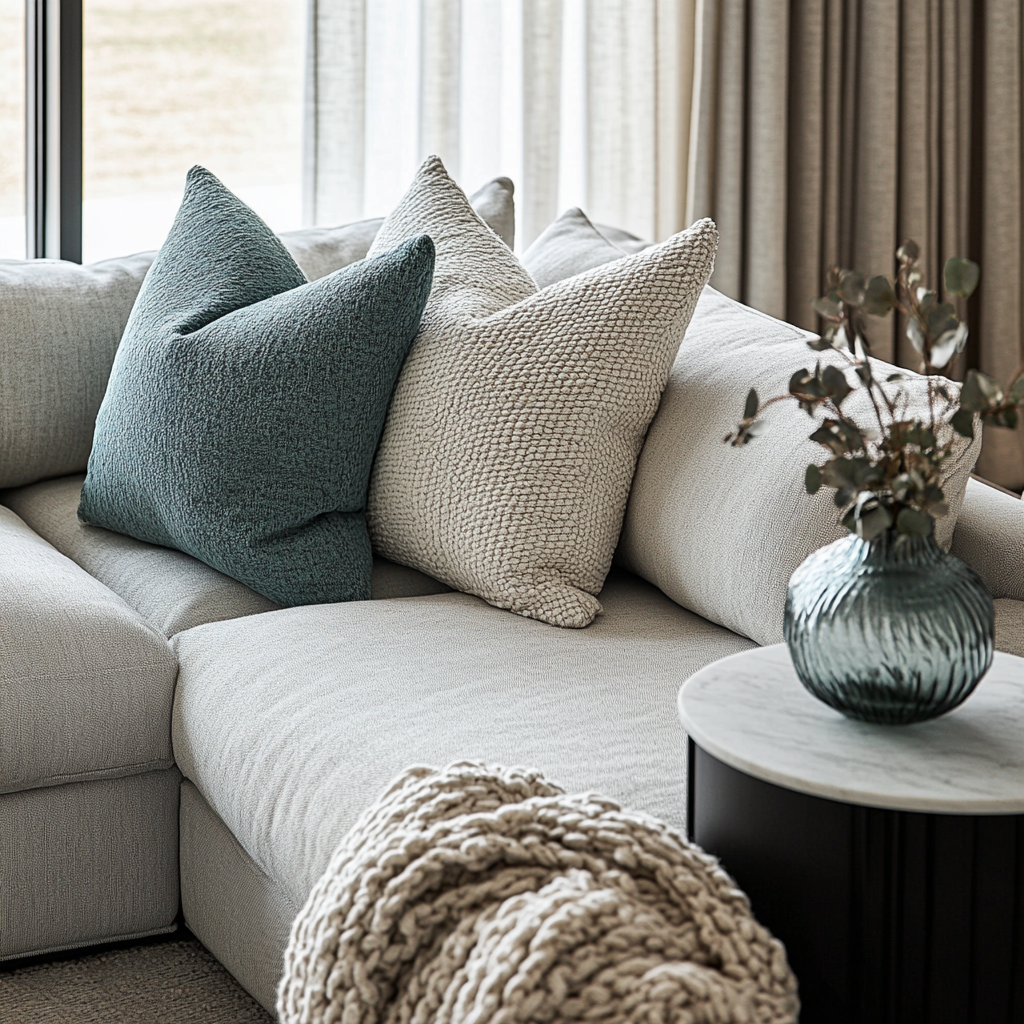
column 515, row 426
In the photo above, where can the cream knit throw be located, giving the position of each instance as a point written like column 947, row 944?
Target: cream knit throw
column 479, row 894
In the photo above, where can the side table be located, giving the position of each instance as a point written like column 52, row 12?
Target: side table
column 888, row 859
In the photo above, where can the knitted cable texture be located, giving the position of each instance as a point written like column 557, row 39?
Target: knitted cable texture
column 483, row 895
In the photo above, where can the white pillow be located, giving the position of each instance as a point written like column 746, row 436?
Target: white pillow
column 721, row 529
column 513, row 432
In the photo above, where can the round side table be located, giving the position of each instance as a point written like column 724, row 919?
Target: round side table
column 888, row 859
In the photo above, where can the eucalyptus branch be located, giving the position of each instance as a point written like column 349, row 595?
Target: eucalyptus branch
column 896, row 479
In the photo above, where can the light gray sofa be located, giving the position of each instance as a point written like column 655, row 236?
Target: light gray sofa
column 170, row 739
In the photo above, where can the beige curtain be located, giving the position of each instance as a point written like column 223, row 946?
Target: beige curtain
column 580, row 102
column 827, row 131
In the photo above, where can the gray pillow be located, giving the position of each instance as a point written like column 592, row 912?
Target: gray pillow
column 245, row 405
column 566, row 247
column 60, row 324
column 624, row 240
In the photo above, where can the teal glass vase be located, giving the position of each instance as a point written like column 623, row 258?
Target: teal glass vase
column 892, row 630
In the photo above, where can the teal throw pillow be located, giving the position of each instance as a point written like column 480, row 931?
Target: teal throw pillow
column 245, row 405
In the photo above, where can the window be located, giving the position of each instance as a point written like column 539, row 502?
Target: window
column 172, row 83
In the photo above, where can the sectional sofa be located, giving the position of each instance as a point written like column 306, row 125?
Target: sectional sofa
column 172, row 742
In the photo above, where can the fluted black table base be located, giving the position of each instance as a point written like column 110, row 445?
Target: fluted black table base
column 888, row 917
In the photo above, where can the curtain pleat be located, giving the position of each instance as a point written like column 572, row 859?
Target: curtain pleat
column 440, row 88
column 1001, row 325
column 336, row 103
column 542, row 83
column 828, row 131
column 487, row 85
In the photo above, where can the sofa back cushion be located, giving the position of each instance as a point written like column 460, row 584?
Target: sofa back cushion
column 60, row 325
column 721, row 529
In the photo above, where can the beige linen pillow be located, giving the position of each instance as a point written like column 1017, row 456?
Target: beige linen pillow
column 721, row 529
column 513, row 433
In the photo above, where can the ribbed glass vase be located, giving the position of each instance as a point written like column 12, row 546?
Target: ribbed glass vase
column 891, row 630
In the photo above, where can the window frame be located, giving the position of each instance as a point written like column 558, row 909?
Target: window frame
column 53, row 129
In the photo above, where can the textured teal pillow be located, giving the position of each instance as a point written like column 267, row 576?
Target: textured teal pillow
column 245, row 405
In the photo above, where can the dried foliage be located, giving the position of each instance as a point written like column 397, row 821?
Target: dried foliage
column 890, row 474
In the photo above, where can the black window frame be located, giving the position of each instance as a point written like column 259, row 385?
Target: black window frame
column 53, row 129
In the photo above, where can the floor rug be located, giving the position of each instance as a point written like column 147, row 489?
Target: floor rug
column 170, row 982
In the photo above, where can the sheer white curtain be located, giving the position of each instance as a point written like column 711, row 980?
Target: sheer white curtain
column 581, row 102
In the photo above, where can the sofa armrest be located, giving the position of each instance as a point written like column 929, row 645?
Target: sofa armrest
column 989, row 537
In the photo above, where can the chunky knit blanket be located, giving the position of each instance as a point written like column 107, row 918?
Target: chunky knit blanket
column 481, row 895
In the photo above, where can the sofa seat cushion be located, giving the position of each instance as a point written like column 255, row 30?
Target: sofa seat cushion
column 85, row 683
column 291, row 724
column 172, row 591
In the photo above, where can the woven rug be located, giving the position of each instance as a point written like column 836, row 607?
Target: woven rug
column 173, row 982
column 481, row 895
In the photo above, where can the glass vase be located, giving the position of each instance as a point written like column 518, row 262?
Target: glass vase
column 892, row 630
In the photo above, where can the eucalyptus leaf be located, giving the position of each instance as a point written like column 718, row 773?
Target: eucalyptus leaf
column 839, row 438
column 836, row 385
column 919, row 435
column 1001, row 418
column 751, row 406
column 851, row 287
column 915, row 334
column 908, row 252
column 941, row 319
column 980, row 392
column 827, row 308
column 1016, row 395
column 873, row 522
column 822, row 344
column 893, row 377
column 913, row 523
column 947, row 345
column 962, row 276
column 879, row 297
column 926, row 299
column 812, row 479
column 962, row 421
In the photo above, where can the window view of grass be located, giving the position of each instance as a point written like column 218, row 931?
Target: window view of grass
column 172, row 83
column 12, row 129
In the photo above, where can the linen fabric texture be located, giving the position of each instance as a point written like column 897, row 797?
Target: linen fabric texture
column 244, row 405
column 506, row 460
column 60, row 325
column 85, row 684
column 721, row 529
column 172, row 591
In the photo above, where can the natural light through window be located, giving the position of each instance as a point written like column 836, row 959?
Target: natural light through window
column 172, row 83
column 12, row 129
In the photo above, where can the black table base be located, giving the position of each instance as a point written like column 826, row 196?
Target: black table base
column 888, row 917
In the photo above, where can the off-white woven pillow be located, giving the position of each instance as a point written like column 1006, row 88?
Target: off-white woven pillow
column 515, row 426
column 721, row 529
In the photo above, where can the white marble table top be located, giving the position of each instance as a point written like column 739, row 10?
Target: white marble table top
column 751, row 711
